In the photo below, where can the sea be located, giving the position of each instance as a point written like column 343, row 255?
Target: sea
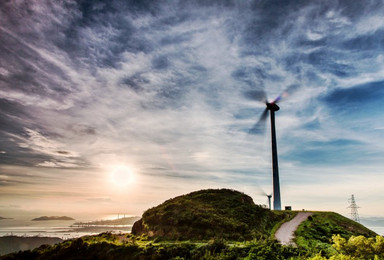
column 379, row 230
column 68, row 230
column 64, row 229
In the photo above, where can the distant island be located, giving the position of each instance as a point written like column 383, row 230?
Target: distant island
column 4, row 218
column 118, row 221
column 43, row 218
column 120, row 224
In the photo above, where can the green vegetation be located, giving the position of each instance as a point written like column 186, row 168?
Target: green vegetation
column 208, row 214
column 220, row 224
column 355, row 248
column 110, row 246
column 316, row 233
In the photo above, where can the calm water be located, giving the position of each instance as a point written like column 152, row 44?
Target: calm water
column 54, row 228
column 63, row 229
column 378, row 230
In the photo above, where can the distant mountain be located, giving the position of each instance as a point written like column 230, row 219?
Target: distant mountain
column 43, row 218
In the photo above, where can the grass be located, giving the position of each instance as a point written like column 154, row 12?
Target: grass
column 316, row 232
column 127, row 246
column 209, row 214
column 110, row 246
column 322, row 225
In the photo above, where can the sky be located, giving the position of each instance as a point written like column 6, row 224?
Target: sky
column 116, row 106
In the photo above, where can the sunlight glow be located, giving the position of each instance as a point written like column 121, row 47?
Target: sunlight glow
column 122, row 175
column 116, row 216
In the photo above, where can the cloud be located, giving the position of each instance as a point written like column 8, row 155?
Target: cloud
column 59, row 164
column 42, row 147
column 161, row 86
column 10, row 206
column 40, row 143
column 358, row 95
column 100, row 200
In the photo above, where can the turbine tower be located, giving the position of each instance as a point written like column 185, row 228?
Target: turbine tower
column 272, row 107
column 269, row 200
column 259, row 128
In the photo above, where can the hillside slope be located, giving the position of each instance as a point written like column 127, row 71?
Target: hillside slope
column 319, row 228
column 207, row 214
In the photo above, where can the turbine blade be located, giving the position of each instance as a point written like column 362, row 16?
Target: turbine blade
column 286, row 93
column 260, row 190
column 259, row 127
column 262, row 193
column 258, row 95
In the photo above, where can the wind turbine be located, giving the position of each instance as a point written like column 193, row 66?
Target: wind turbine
column 263, row 193
column 269, row 200
column 259, row 128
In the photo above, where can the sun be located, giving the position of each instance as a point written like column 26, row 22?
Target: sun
column 122, row 175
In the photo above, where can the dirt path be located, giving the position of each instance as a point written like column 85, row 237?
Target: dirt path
column 285, row 233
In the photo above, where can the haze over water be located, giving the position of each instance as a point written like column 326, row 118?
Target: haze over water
column 64, row 229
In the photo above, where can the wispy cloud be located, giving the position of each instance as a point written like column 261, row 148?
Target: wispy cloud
column 161, row 86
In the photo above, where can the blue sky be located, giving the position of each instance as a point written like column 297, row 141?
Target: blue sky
column 116, row 106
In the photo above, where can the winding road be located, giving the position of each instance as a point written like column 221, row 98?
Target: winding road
column 286, row 231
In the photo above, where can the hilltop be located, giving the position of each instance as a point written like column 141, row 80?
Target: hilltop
column 232, row 215
column 208, row 214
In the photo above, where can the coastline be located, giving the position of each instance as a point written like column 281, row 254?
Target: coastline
column 61, row 229
column 11, row 244
column 15, row 243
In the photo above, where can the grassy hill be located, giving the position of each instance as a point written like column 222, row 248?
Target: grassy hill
column 318, row 229
column 220, row 224
column 207, row 214
column 321, row 225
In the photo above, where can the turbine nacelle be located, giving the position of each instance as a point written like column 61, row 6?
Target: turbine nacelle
column 272, row 106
